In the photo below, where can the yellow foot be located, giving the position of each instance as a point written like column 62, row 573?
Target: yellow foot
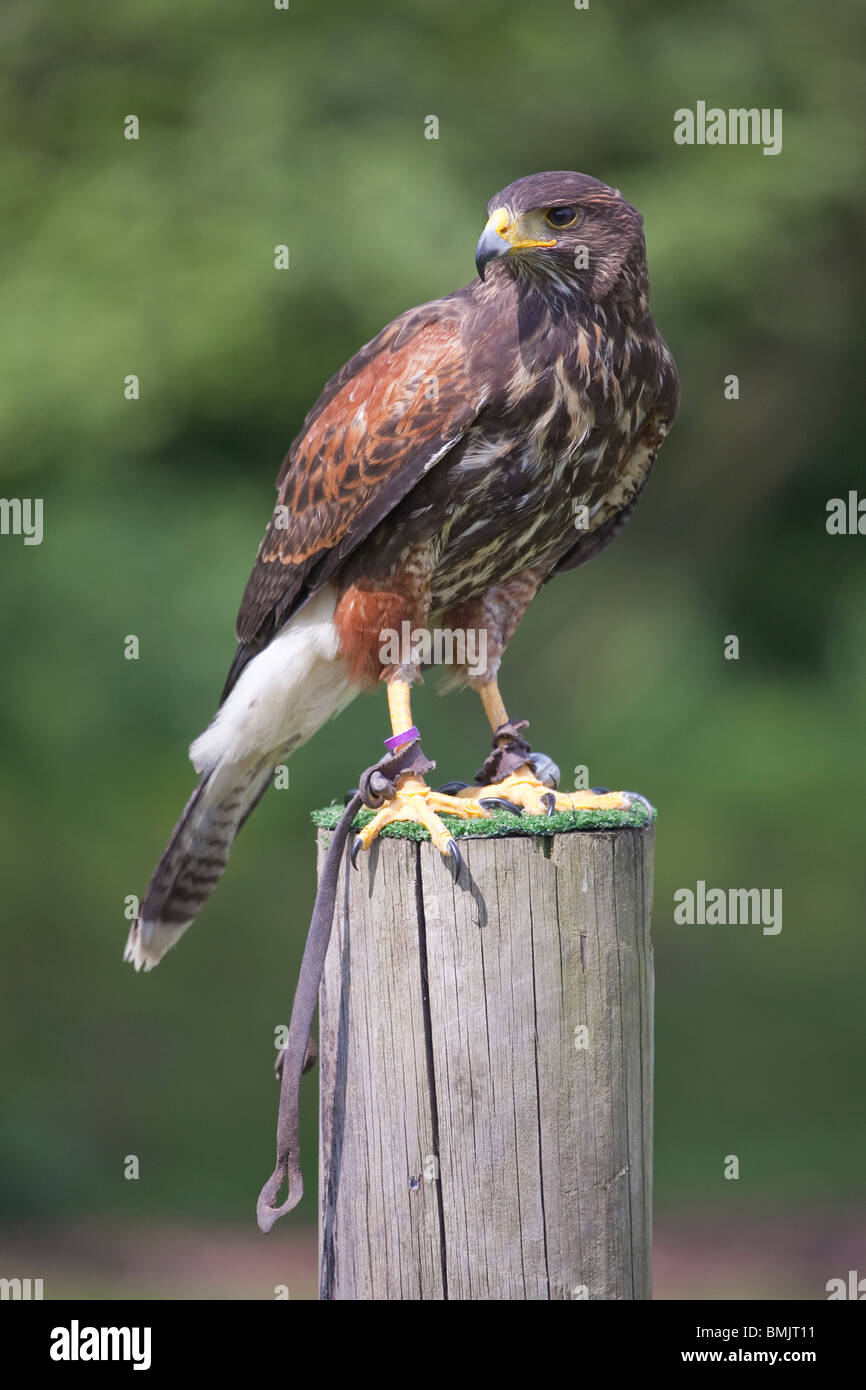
column 522, row 791
column 419, row 804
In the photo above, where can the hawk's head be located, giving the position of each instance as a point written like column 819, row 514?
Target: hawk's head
column 566, row 230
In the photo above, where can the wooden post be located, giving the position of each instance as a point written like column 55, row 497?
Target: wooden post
column 486, row 1072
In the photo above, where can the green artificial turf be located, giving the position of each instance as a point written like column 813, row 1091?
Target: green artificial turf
column 499, row 823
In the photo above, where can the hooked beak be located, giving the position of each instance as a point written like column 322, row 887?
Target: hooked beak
column 501, row 235
column 490, row 245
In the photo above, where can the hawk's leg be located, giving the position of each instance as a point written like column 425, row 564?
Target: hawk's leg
column 515, row 774
column 415, row 801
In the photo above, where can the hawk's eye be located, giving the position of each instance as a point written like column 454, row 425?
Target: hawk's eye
column 561, row 217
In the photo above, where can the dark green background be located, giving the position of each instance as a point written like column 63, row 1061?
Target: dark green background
column 306, row 127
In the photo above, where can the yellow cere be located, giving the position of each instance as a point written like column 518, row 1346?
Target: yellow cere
column 500, row 222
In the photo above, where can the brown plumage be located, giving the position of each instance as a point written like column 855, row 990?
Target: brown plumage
column 479, row 445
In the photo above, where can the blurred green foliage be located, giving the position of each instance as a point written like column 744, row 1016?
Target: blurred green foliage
column 155, row 257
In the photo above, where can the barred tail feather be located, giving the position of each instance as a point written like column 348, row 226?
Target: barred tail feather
column 281, row 698
column 192, row 864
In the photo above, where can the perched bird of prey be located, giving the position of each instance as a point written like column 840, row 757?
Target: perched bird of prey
column 481, row 444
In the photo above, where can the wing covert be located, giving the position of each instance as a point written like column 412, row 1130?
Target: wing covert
column 395, row 408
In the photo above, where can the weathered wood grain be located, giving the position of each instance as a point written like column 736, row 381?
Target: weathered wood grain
column 475, row 1143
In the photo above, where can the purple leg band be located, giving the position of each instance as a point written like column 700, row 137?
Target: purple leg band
column 397, row 739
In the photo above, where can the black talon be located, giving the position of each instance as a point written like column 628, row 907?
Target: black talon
column 454, row 860
column 451, row 788
column 599, row 791
column 357, row 846
column 549, row 803
column 500, row 803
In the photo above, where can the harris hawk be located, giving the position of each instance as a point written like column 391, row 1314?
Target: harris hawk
column 479, row 445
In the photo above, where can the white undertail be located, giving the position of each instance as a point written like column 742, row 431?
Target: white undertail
column 281, row 699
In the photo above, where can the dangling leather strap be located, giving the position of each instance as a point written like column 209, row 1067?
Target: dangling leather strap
column 377, row 785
